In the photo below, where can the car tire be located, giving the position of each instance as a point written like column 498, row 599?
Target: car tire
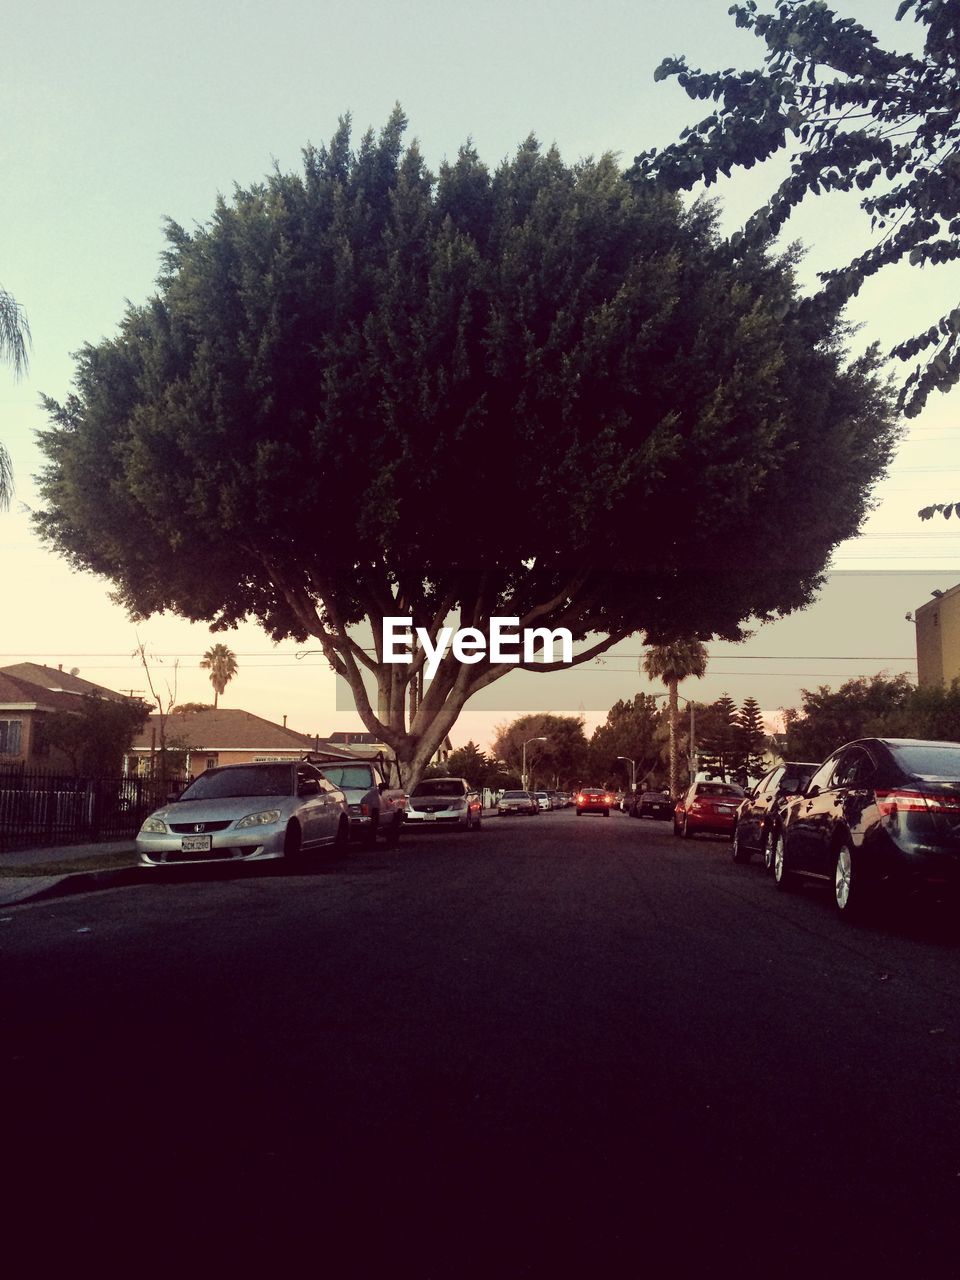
column 676, row 826
column 579, row 813
column 293, row 845
column 606, row 813
column 685, row 831
column 740, row 852
column 393, row 832
column 368, row 839
column 850, row 893
column 783, row 877
column 342, row 838
column 769, row 845
column 478, row 823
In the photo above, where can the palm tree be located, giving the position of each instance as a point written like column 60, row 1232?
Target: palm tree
column 672, row 663
column 14, row 340
column 221, row 662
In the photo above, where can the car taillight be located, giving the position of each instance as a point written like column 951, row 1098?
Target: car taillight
column 696, row 806
column 609, row 799
column 580, row 799
column 891, row 802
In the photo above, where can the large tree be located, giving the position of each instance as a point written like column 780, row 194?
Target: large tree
column 630, row 730
column 14, row 342
column 828, row 718
column 559, row 760
column 346, row 369
column 95, row 736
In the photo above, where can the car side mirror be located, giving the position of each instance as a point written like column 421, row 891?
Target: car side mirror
column 381, row 787
column 309, row 787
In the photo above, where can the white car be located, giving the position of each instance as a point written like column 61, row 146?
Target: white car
column 444, row 802
column 247, row 813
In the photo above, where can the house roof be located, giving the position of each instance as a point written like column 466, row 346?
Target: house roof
column 57, row 681
column 15, row 692
column 223, row 729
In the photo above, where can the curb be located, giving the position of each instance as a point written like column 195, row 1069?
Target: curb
column 36, row 888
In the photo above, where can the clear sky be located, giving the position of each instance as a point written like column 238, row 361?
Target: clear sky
column 120, row 113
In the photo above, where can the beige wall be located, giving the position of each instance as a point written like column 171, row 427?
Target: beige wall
column 938, row 640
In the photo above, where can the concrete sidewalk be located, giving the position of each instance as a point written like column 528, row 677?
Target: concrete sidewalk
column 34, row 884
column 39, row 857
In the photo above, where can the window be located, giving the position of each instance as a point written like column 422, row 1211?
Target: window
column 212, row 762
column 10, row 737
column 855, row 769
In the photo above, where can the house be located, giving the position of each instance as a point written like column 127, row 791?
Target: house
column 29, row 692
column 937, row 624
column 216, row 736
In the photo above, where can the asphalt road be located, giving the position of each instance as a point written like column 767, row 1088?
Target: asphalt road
column 557, row 1047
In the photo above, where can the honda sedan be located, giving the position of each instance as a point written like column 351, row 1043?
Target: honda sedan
column 247, row 813
column 879, row 814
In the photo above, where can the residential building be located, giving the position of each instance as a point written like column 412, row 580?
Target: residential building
column 29, row 693
column 937, row 624
column 218, row 736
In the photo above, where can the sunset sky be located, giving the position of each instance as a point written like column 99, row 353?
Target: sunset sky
column 120, row 113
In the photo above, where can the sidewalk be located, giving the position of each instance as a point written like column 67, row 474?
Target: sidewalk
column 34, row 884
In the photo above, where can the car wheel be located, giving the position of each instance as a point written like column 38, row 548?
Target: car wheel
column 676, row 826
column 783, row 877
column 769, row 845
column 393, row 832
column 369, row 838
column 579, row 813
column 342, row 840
column 740, row 852
column 685, row 831
column 850, row 895
column 293, row 845
column 606, row 813
column 476, row 825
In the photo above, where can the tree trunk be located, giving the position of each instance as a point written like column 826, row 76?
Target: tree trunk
column 674, row 717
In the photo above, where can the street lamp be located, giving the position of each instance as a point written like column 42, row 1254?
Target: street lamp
column 633, row 771
column 524, row 768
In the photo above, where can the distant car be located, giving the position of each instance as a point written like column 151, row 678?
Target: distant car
column 593, row 800
column 708, row 807
column 543, row 800
column 247, row 813
column 444, row 802
column 653, row 804
column 881, row 814
column 761, row 812
column 517, row 802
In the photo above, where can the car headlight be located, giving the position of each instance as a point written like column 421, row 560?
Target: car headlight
column 154, row 827
column 265, row 818
column 457, row 804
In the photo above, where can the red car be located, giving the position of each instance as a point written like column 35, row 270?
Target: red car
column 593, row 800
column 708, row 806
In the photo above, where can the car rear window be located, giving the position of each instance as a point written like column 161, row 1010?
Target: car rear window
column 348, row 775
column 930, row 760
column 515, row 795
column 657, row 796
column 259, row 780
column 718, row 789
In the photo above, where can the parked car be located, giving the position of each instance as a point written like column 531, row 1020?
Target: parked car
column 375, row 808
column 652, row 804
column 543, row 800
column 707, row 807
column 247, row 813
column 444, row 802
column 760, row 814
column 517, row 802
column 879, row 814
column 593, row 800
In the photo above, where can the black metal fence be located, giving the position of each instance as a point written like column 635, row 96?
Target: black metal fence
column 48, row 808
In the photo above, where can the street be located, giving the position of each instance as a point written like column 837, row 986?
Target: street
column 561, row 1045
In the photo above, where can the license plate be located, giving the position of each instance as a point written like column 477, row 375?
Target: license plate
column 724, row 808
column 195, row 844
column 429, row 817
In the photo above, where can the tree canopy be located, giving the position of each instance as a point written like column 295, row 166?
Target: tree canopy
column 828, row 718
column 857, row 117
column 558, row 762
column 95, row 736
column 346, row 368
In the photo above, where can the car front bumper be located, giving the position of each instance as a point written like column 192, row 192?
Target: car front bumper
column 225, row 846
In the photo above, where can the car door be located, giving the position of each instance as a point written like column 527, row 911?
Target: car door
column 756, row 811
column 807, row 816
column 313, row 805
column 838, row 805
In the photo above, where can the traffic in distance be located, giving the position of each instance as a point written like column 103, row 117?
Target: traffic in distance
column 878, row 820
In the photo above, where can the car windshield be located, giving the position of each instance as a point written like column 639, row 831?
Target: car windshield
column 515, row 795
column 931, row 760
column 355, row 776
column 239, row 780
column 719, row 789
column 439, row 787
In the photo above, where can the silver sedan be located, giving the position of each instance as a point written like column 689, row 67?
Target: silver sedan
column 246, row 813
